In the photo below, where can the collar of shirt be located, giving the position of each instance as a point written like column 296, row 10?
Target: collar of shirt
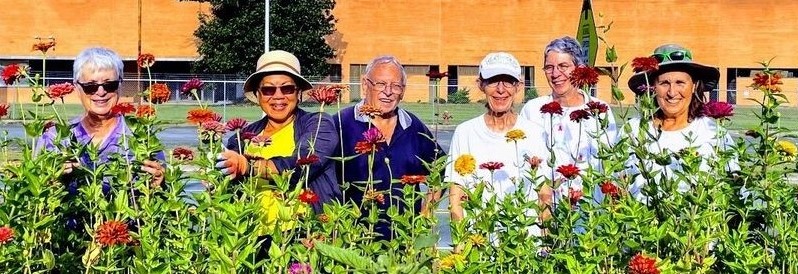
column 81, row 135
column 404, row 117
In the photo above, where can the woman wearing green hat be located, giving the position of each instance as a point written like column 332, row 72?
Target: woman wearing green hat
column 678, row 87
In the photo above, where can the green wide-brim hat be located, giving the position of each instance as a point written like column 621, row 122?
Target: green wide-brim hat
column 707, row 75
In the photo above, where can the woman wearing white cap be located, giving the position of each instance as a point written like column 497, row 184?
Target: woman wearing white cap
column 276, row 86
column 678, row 86
column 499, row 140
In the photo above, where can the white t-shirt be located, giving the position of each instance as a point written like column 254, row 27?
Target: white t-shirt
column 701, row 134
column 572, row 141
column 475, row 138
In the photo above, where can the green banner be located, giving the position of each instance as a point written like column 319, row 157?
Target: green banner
column 586, row 34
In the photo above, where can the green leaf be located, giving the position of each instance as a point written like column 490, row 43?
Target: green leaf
column 348, row 257
column 426, row 240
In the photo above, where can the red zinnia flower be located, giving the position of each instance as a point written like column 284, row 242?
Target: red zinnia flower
column 551, row 108
column 198, row 116
column 413, row 179
column 645, row 64
column 123, row 109
column 373, row 136
column 112, row 233
column 308, row 196
column 159, row 93
column 765, row 81
column 491, row 166
column 311, row 159
column 3, row 110
column 191, row 86
column 569, row 171
column 718, row 110
column 145, row 111
column 597, row 107
column 326, row 95
column 436, row 75
column 610, row 189
column 574, row 196
column 579, row 115
column 640, row 264
column 363, row 147
column 59, row 90
column 6, row 234
column 584, row 76
column 183, row 153
column 236, row 124
column 11, row 73
column 146, row 60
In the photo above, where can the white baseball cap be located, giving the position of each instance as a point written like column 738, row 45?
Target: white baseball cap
column 499, row 63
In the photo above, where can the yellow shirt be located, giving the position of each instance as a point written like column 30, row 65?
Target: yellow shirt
column 282, row 145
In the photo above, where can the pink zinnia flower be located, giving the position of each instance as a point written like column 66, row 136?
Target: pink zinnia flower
column 191, row 85
column 236, row 124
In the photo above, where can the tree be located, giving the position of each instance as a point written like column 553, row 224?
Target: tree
column 230, row 39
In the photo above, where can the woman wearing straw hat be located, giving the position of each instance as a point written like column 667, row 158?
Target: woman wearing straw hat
column 295, row 134
column 677, row 87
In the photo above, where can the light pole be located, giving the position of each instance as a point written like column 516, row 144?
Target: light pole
column 266, row 26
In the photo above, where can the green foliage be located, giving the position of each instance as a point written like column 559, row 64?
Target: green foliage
column 530, row 93
column 460, row 96
column 230, row 39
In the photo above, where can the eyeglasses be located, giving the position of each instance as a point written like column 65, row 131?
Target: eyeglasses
column 506, row 84
column 272, row 90
column 676, row 55
column 562, row 67
column 91, row 88
column 381, row 86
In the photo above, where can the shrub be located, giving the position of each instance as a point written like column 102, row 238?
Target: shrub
column 460, row 96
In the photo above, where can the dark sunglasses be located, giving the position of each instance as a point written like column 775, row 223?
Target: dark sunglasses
column 270, row 91
column 677, row 55
column 91, row 88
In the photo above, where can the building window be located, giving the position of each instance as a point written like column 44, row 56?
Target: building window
column 355, row 72
column 451, row 86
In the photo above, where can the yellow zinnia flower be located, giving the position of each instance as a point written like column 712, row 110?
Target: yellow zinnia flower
column 787, row 148
column 477, row 240
column 465, row 164
column 515, row 135
column 451, row 260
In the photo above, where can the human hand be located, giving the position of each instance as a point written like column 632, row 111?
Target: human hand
column 69, row 167
column 155, row 169
column 232, row 164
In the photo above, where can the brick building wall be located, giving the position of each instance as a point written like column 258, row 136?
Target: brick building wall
column 726, row 33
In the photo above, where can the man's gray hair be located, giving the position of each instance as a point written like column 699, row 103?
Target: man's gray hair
column 100, row 59
column 569, row 46
column 387, row 59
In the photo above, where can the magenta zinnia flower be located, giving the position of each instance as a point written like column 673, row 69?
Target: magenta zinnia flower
column 597, row 107
column 300, row 268
column 191, row 85
column 491, row 166
column 373, row 136
column 718, row 110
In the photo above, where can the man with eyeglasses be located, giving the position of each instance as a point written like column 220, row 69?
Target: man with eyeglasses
column 403, row 148
column 573, row 142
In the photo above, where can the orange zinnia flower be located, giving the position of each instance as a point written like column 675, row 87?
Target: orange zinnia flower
column 767, row 81
column 112, row 233
column 198, row 116
column 145, row 111
column 413, row 179
column 44, row 46
column 641, row 264
column 159, row 93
